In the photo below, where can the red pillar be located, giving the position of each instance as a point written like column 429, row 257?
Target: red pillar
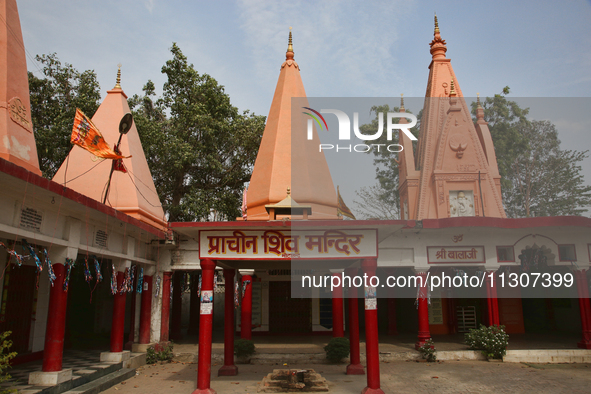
column 56, row 322
column 165, row 317
column 583, row 292
column 205, row 327
column 131, row 337
column 118, row 321
column 424, row 333
column 229, row 369
column 177, row 306
column 355, row 367
column 246, row 309
column 338, row 330
column 146, row 310
column 371, row 331
column 492, row 301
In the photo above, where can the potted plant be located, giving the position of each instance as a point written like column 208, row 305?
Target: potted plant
column 428, row 351
column 337, row 349
column 492, row 341
column 244, row 349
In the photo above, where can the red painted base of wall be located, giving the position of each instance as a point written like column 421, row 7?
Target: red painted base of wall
column 584, row 345
column 27, row 358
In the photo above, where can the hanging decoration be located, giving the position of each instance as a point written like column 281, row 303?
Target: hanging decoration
column 19, row 258
column 157, row 290
column 113, row 280
column 140, row 281
column 133, row 270
column 29, row 248
column 87, row 274
column 236, row 294
column 69, row 265
column 244, row 286
column 171, row 288
column 198, row 288
column 215, row 282
column 97, row 269
column 50, row 272
column 125, row 286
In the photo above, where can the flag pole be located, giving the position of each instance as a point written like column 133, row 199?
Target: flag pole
column 124, row 126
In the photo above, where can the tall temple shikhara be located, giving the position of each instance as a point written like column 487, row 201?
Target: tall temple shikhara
column 285, row 161
column 454, row 172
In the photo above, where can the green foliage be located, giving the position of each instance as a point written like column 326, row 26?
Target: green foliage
column 428, row 350
column 200, row 149
column 493, row 340
column 159, row 352
column 337, row 349
column 538, row 177
column 5, row 358
column 383, row 200
column 54, row 99
column 244, row 348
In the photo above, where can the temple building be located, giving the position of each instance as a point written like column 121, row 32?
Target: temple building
column 64, row 240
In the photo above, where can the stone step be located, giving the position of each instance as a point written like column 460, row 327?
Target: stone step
column 552, row 356
column 82, row 377
column 103, row 383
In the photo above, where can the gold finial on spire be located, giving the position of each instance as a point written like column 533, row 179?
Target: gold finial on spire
column 452, row 88
column 436, row 24
column 288, row 190
column 402, row 102
column 478, row 100
column 290, row 44
column 118, row 84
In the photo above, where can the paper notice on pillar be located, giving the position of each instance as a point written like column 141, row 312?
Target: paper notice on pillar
column 206, row 302
column 371, row 302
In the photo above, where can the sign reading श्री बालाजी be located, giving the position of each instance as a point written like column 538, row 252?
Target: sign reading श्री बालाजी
column 286, row 244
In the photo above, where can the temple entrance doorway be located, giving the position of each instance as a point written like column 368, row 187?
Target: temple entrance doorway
column 288, row 315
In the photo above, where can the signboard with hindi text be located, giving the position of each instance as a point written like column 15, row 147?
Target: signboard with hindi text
column 287, row 244
column 455, row 254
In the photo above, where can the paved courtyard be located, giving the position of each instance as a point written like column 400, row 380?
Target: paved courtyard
column 396, row 377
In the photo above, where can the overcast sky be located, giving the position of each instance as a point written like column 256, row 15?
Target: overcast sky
column 344, row 48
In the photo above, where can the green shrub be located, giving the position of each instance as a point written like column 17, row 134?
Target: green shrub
column 244, row 348
column 493, row 340
column 428, row 350
column 159, row 352
column 337, row 349
column 5, row 358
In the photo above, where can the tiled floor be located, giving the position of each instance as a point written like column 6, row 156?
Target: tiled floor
column 81, row 363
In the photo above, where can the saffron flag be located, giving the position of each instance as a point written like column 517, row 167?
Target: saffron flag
column 87, row 136
column 118, row 164
column 342, row 208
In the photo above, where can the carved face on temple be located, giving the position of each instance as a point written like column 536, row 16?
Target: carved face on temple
column 461, row 203
column 458, row 145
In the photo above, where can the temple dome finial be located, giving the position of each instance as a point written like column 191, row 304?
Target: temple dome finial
column 438, row 47
column 290, row 53
column 479, row 110
column 402, row 109
column 118, row 84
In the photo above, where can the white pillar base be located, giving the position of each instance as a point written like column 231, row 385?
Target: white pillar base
column 41, row 378
column 115, row 357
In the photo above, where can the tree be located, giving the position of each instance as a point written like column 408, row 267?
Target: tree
column 383, row 197
column 537, row 176
column 200, row 149
column 54, row 100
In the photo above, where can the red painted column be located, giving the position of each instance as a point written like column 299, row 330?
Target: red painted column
column 56, row 322
column 205, row 327
column 583, row 292
column 146, row 310
column 165, row 317
column 246, row 309
column 371, row 331
column 177, row 306
column 338, row 330
column 131, row 337
column 229, row 369
column 424, row 333
column 492, row 301
column 118, row 321
column 392, row 326
column 355, row 367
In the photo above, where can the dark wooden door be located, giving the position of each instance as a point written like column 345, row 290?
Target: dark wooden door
column 18, row 297
column 286, row 314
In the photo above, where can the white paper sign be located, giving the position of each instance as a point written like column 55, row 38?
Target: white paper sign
column 206, row 302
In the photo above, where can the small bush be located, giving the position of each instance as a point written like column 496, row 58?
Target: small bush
column 159, row 352
column 337, row 349
column 428, row 350
column 244, row 348
column 5, row 358
column 493, row 340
